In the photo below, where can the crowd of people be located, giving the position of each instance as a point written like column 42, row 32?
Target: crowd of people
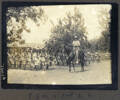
column 39, row 59
column 28, row 58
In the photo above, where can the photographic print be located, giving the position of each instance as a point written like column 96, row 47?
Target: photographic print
column 59, row 44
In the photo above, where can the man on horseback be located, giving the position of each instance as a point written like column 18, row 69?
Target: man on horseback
column 73, row 55
column 77, row 55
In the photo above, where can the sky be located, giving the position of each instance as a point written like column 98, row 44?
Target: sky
column 42, row 32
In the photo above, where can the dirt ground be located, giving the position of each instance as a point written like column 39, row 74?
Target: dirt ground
column 95, row 73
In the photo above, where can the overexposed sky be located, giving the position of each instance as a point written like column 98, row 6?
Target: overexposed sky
column 42, row 32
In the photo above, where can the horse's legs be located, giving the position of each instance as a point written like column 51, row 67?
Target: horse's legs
column 73, row 67
column 82, row 68
column 69, row 67
column 47, row 66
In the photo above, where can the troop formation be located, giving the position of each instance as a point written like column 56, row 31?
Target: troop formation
column 40, row 59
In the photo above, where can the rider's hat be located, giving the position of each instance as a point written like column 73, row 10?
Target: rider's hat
column 75, row 37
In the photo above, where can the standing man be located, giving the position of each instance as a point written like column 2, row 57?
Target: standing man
column 82, row 60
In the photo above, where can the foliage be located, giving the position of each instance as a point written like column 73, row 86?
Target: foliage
column 16, row 18
column 104, row 21
column 64, row 31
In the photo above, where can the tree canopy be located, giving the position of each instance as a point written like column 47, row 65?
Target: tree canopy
column 104, row 21
column 16, row 21
column 65, row 30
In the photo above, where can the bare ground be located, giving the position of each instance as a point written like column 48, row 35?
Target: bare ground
column 95, row 73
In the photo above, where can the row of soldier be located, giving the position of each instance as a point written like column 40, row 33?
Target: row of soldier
column 28, row 58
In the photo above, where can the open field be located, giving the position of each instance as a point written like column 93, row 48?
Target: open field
column 95, row 73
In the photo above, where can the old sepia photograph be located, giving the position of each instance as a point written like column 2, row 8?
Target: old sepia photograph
column 59, row 44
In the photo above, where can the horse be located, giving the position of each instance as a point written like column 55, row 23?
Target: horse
column 71, row 60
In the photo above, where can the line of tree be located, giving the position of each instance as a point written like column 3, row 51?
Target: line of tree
column 62, row 34
column 103, row 43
